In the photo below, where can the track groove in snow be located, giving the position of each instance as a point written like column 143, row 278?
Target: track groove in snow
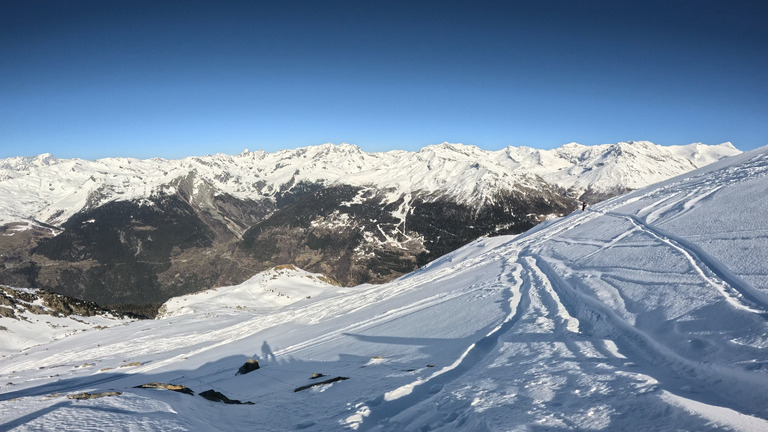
column 661, row 362
column 734, row 290
column 400, row 399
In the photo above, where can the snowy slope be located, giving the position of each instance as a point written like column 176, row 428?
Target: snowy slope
column 645, row 312
column 30, row 317
column 51, row 190
column 267, row 291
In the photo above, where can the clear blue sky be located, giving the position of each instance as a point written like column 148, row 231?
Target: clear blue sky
column 160, row 78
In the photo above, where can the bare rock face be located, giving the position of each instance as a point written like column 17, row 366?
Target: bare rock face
column 7, row 312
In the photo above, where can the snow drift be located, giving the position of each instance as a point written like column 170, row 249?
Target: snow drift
column 645, row 312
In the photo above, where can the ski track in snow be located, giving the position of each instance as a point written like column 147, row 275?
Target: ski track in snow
column 735, row 290
column 398, row 400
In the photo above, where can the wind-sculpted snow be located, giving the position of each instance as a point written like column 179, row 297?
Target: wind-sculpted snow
column 644, row 312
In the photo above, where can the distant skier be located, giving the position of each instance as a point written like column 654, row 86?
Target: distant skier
column 583, row 206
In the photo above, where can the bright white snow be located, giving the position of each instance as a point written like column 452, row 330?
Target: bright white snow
column 645, row 312
column 268, row 290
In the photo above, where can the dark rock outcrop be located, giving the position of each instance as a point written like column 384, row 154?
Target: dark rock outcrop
column 54, row 304
column 166, row 386
column 213, row 395
column 329, row 381
column 249, row 366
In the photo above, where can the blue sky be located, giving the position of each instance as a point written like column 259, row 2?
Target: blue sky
column 171, row 79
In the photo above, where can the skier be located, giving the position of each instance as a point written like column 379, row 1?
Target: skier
column 583, row 206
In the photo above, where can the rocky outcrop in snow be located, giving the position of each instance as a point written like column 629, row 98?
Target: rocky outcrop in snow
column 33, row 316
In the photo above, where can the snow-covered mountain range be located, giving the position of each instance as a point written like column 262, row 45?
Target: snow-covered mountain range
column 645, row 312
column 128, row 232
column 52, row 190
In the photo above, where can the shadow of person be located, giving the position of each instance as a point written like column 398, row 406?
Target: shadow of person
column 266, row 352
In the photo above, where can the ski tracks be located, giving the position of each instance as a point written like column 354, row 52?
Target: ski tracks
column 652, row 358
column 736, row 291
column 382, row 411
column 562, row 314
column 534, row 299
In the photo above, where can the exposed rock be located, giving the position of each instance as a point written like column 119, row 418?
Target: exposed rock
column 39, row 310
column 7, row 296
column 93, row 395
column 64, row 305
column 249, row 366
column 213, row 395
column 5, row 300
column 166, row 386
column 7, row 312
column 332, row 380
column 53, row 304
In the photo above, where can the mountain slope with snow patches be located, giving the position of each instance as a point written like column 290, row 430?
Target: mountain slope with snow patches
column 645, row 312
column 129, row 234
column 30, row 317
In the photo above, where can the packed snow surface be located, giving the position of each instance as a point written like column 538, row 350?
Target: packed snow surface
column 645, row 312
